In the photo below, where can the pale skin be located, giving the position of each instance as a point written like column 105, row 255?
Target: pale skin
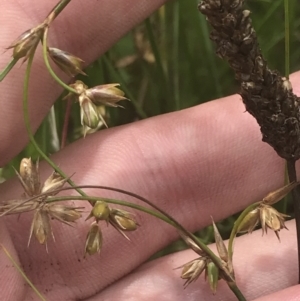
column 203, row 161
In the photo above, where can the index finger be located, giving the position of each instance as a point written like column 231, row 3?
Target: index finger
column 85, row 28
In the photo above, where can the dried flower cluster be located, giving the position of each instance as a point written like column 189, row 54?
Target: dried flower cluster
column 37, row 198
column 121, row 220
column 193, row 269
column 91, row 102
column 26, row 43
column 266, row 95
column 266, row 215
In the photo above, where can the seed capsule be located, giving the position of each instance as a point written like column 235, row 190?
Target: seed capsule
column 69, row 63
column 93, row 242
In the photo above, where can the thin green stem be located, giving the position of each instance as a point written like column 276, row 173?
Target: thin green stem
column 157, row 56
column 236, row 291
column 171, row 221
column 287, row 38
column 236, row 226
column 22, row 273
column 28, row 127
column 47, row 63
column 176, row 54
column 111, row 201
column 57, row 10
column 6, row 70
column 163, row 216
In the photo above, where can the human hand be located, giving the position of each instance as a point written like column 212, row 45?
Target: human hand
column 203, row 161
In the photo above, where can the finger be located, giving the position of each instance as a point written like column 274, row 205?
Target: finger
column 173, row 160
column 290, row 293
column 11, row 282
column 262, row 266
column 85, row 28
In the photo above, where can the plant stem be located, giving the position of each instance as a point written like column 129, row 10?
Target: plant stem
column 58, row 8
column 287, row 38
column 163, row 216
column 171, row 221
column 28, row 127
column 47, row 63
column 6, row 70
column 236, row 291
column 236, row 226
column 111, row 201
column 291, row 168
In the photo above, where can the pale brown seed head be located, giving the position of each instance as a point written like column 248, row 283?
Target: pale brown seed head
column 69, row 63
column 79, row 86
column 122, row 220
column 29, row 177
column 275, row 196
column 63, row 213
column 27, row 42
column 222, row 250
column 249, row 222
column 107, row 95
column 193, row 269
column 272, row 219
column 54, row 182
column 40, row 226
column 88, row 112
column 17, row 206
column 93, row 242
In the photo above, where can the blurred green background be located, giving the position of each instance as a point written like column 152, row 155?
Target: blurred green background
column 168, row 63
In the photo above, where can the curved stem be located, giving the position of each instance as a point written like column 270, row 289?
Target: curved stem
column 28, row 127
column 8, row 67
column 171, row 221
column 111, row 201
column 47, row 63
column 58, row 8
column 236, row 226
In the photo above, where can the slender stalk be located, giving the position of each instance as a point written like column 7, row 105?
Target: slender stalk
column 176, row 44
column 112, row 201
column 47, row 63
column 171, row 221
column 23, row 274
column 236, row 291
column 287, row 38
column 58, row 8
column 6, row 70
column 28, row 127
column 236, row 226
column 291, row 168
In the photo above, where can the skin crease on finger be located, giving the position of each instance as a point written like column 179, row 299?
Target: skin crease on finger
column 85, row 28
column 203, row 161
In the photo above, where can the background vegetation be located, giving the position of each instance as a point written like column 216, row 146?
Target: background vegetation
column 168, row 63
